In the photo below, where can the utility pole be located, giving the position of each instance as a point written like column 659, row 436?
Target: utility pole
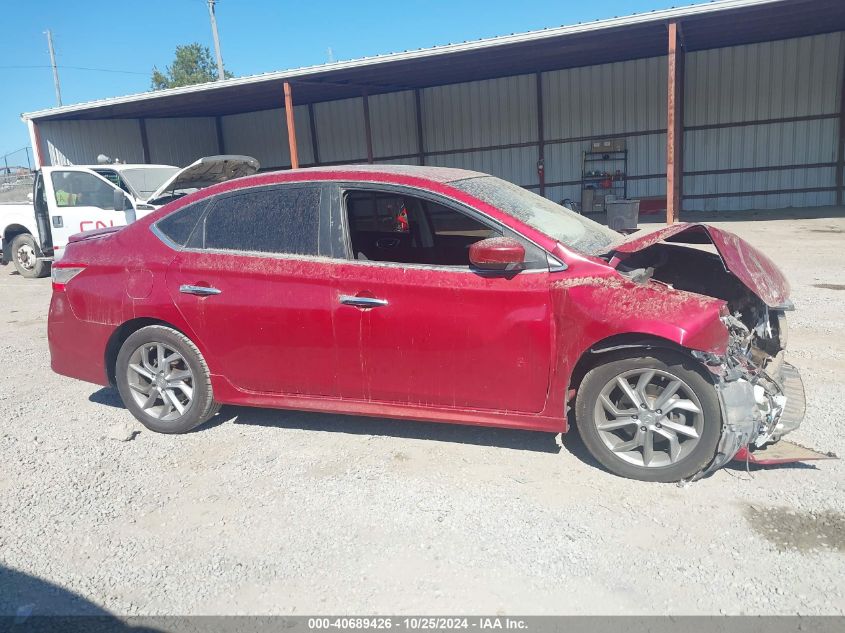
column 221, row 74
column 55, row 70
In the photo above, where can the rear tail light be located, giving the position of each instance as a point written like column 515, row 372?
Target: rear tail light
column 61, row 275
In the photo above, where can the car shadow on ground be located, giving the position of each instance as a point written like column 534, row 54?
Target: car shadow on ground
column 512, row 439
column 383, row 427
column 386, row 427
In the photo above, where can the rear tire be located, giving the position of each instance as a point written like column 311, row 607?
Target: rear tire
column 25, row 254
column 635, row 434
column 164, row 381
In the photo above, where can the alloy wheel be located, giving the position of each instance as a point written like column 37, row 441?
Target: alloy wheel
column 649, row 417
column 160, row 380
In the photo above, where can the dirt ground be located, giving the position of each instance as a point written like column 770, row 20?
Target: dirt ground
column 287, row 512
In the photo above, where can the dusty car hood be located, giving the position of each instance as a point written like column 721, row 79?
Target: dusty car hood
column 749, row 265
column 208, row 171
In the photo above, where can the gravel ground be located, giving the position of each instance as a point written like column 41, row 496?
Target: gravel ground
column 288, row 512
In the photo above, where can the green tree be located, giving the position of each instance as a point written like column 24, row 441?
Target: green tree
column 193, row 64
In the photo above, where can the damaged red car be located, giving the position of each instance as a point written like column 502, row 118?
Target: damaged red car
column 437, row 294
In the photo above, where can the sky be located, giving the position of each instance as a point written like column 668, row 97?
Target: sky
column 124, row 39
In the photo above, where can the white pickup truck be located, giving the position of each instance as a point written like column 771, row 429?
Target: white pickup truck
column 70, row 199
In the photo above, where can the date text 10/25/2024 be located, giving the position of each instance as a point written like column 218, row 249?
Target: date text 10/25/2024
column 417, row 623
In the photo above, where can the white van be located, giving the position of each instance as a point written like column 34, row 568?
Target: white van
column 70, row 199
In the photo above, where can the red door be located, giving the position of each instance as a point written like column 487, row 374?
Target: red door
column 268, row 324
column 435, row 336
column 256, row 293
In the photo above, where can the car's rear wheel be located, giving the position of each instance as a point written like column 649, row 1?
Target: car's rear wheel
column 25, row 254
column 164, row 380
column 654, row 417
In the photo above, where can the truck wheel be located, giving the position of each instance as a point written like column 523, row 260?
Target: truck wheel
column 164, row 381
column 25, row 254
column 652, row 417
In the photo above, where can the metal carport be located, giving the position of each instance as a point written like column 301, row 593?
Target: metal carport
column 733, row 104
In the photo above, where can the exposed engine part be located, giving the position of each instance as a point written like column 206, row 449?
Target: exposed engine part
column 639, row 275
column 761, row 396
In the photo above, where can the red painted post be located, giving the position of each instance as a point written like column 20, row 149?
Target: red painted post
column 294, row 156
column 674, row 124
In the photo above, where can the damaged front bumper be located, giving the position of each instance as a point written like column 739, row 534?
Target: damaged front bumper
column 758, row 406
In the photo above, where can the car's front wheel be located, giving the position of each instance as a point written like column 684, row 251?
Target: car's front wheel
column 164, row 380
column 653, row 417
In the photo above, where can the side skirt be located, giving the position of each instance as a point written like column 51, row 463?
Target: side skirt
column 226, row 393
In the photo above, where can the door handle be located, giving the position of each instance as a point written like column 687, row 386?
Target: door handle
column 200, row 291
column 362, row 302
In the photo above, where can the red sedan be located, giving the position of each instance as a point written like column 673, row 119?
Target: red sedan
column 433, row 294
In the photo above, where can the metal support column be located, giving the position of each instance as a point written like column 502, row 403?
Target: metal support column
column 541, row 141
column 221, row 143
column 368, row 133
column 418, row 112
column 312, row 123
column 840, row 148
column 145, row 144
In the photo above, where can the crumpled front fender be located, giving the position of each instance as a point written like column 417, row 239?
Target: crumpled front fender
column 747, row 421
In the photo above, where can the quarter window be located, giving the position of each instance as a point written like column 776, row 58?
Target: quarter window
column 178, row 225
column 280, row 220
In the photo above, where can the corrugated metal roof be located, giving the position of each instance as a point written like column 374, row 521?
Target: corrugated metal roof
column 714, row 24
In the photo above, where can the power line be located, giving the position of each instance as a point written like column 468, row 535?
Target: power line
column 63, row 67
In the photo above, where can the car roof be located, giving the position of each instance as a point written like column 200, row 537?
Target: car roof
column 426, row 172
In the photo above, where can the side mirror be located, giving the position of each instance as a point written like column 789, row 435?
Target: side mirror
column 497, row 253
column 119, row 200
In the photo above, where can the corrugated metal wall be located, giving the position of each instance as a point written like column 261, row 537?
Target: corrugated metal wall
column 340, row 130
column 264, row 136
column 80, row 142
column 747, row 87
column 621, row 100
column 393, row 125
column 181, row 141
column 483, row 114
column 736, row 140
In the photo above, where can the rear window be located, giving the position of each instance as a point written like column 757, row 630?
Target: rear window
column 284, row 220
column 178, row 225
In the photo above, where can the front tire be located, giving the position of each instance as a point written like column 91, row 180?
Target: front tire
column 25, row 254
column 164, row 381
column 654, row 417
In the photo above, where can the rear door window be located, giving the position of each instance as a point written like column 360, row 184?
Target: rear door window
column 281, row 220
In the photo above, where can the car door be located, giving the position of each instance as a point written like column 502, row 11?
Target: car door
column 252, row 286
column 416, row 325
column 79, row 200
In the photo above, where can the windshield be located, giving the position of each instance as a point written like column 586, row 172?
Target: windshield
column 558, row 222
column 145, row 180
